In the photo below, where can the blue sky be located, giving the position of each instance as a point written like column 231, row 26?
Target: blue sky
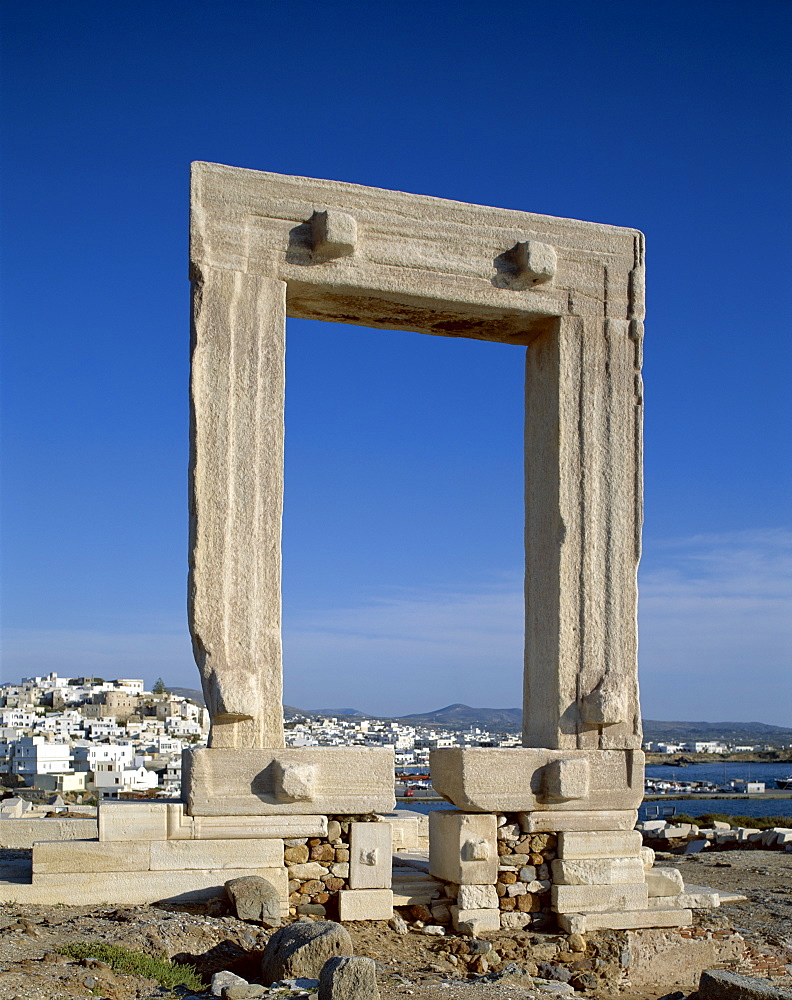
column 402, row 532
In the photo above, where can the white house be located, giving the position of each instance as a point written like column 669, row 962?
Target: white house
column 34, row 755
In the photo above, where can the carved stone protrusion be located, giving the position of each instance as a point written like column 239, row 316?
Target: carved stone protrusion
column 369, row 856
column 536, row 262
column 334, row 233
column 566, row 779
column 295, row 782
column 605, row 705
column 475, row 850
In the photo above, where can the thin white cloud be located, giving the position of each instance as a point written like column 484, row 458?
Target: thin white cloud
column 716, row 628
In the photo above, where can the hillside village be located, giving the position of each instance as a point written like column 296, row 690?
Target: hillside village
column 105, row 739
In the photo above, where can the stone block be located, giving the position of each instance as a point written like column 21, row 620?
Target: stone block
column 370, row 853
column 249, row 782
column 129, row 888
column 664, row 882
column 310, row 870
column 514, row 920
column 535, row 262
column 720, row 984
column 407, row 829
column 556, row 821
column 133, row 820
column 300, row 950
column 490, row 779
column 692, row 897
column 462, row 847
column 598, row 898
column 598, row 871
column 479, row 897
column 175, row 855
column 254, row 898
column 647, row 858
column 574, row 846
column 365, row 904
column 255, row 827
column 21, row 834
column 348, row 978
column 475, row 922
column 582, row 923
column 79, row 856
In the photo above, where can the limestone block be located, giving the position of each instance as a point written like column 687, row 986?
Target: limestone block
column 236, row 501
column 582, row 923
column 475, row 922
column 598, row 898
column 365, row 904
column 555, row 821
column 492, row 779
column 21, row 834
column 664, row 882
column 598, row 871
column 92, row 888
column 650, row 825
column 514, row 920
column 370, row 853
column 249, row 782
column 175, row 855
column 133, row 820
column 647, row 857
column 574, row 846
column 256, row 827
column 409, row 829
column 309, row 870
column 478, row 897
column 263, row 222
column 91, row 856
column 462, row 847
column 692, row 897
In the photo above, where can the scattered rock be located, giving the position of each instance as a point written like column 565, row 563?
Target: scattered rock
column 301, row 949
column 556, row 973
column 221, row 980
column 349, row 979
column 719, row 984
column 244, row 992
column 398, row 924
column 254, row 898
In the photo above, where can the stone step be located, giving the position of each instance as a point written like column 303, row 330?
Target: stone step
column 582, row 923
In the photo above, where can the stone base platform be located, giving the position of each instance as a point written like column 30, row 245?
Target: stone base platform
column 581, row 923
column 293, row 781
column 532, row 781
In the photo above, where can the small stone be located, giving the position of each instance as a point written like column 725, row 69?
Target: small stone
column 295, row 842
column 507, row 878
column 528, row 873
column 254, row 898
column 312, row 886
column 421, row 912
column 398, row 924
column 349, row 979
column 312, row 910
column 333, row 830
column 323, row 852
column 244, row 992
column 554, row 972
column 577, row 942
column 332, row 883
column 341, row 854
column 222, row 979
column 296, row 855
column 433, row 930
column 340, row 870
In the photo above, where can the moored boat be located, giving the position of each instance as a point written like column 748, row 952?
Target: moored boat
column 784, row 783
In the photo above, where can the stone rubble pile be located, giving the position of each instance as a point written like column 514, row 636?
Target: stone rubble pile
column 720, row 835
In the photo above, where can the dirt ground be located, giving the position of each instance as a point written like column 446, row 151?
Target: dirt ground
column 411, row 965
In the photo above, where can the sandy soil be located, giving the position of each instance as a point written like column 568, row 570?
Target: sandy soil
column 410, row 966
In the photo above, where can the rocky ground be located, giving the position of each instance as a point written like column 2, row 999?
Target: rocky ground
column 411, row 965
